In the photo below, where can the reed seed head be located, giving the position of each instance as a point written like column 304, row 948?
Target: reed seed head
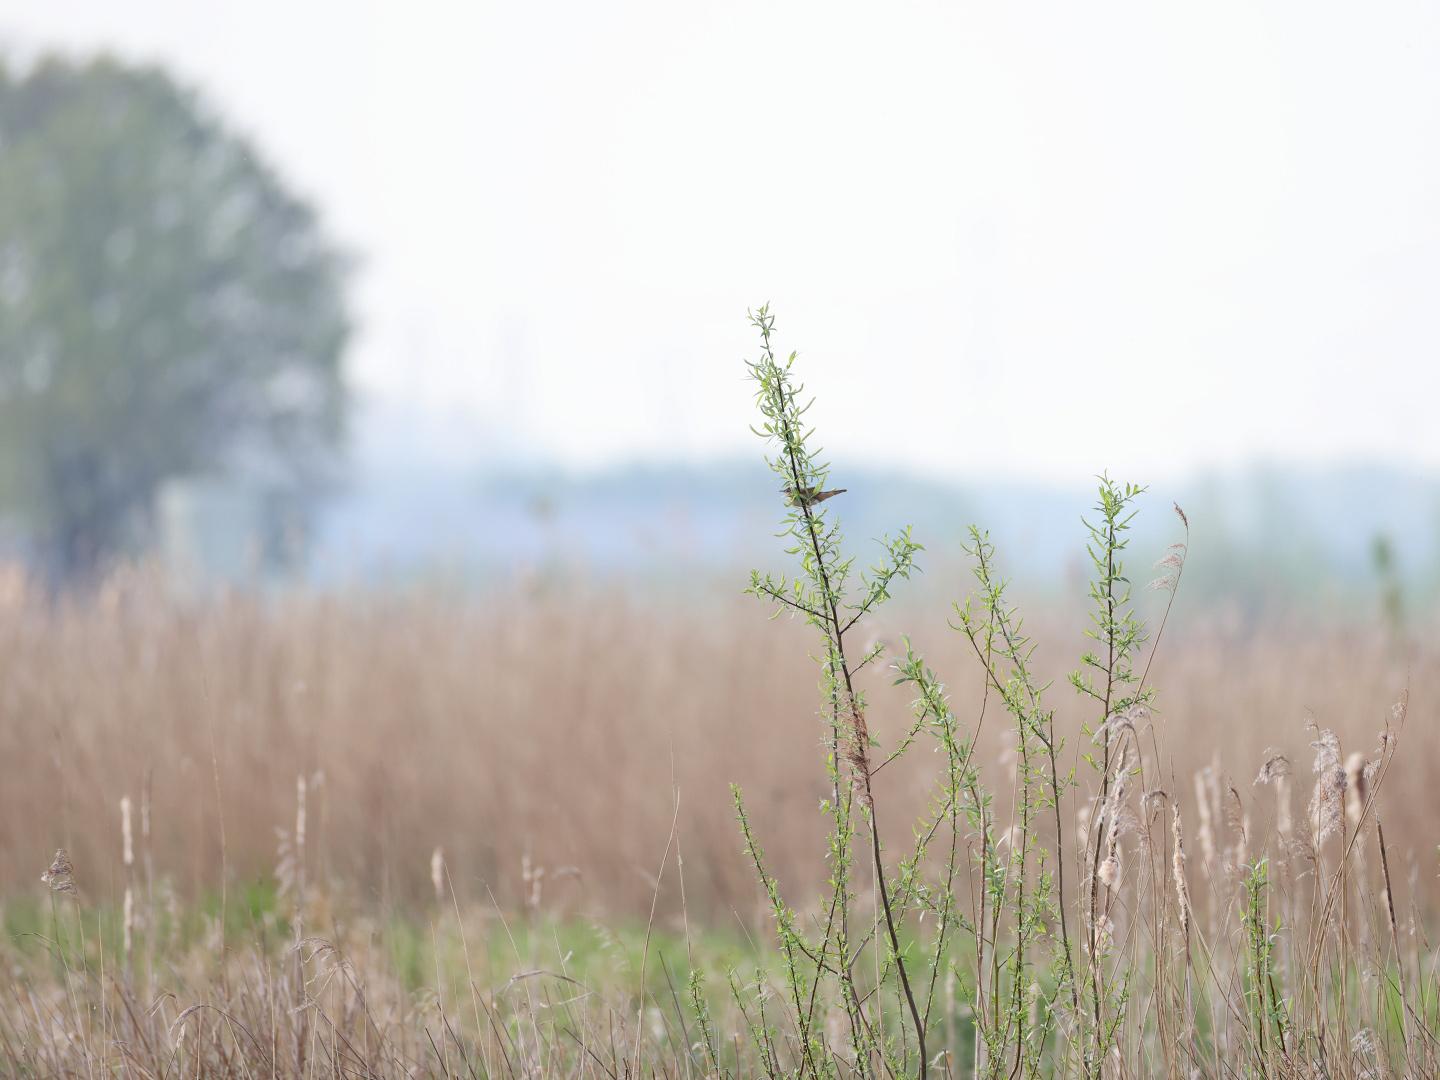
column 1177, row 870
column 126, row 833
column 437, row 873
column 61, row 875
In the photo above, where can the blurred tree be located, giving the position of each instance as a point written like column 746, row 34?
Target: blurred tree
column 166, row 306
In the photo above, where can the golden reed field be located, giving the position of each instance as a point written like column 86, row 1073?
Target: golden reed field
column 491, row 783
column 551, row 725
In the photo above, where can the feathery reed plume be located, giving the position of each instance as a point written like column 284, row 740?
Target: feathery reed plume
column 1152, row 803
column 1366, row 1050
column 437, row 874
column 1109, row 872
column 1171, row 566
column 1327, row 797
column 1119, row 724
column 1102, row 937
column 1118, row 818
column 127, row 837
column 1177, row 870
column 1276, row 765
column 1276, row 770
column 60, row 877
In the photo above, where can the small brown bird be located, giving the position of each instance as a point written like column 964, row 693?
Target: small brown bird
column 810, row 496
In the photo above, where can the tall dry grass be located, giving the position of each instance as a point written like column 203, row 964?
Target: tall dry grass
column 443, row 784
column 551, row 726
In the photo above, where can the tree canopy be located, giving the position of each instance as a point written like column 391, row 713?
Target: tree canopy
column 167, row 307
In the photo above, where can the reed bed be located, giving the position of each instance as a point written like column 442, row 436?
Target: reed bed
column 495, row 834
column 541, row 741
column 553, row 724
column 546, row 742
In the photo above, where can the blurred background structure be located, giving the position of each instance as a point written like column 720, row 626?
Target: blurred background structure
column 358, row 296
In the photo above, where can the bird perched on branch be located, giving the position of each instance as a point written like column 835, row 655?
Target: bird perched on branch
column 809, row 496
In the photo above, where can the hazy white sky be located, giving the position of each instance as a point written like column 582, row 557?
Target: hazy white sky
column 1048, row 238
